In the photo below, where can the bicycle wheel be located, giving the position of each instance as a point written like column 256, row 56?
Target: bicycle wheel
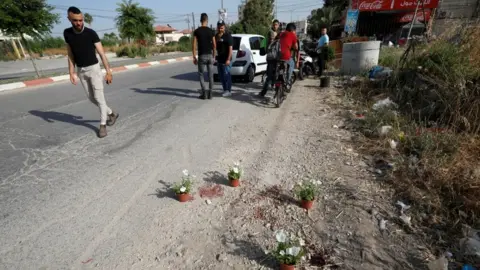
column 279, row 95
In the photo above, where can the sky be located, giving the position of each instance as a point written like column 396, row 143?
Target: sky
column 173, row 12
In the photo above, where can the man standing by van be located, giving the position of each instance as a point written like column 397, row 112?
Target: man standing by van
column 204, row 38
column 82, row 42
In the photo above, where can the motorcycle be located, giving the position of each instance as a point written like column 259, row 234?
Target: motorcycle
column 306, row 66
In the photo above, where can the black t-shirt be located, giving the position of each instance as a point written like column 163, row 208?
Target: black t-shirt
column 204, row 37
column 223, row 47
column 82, row 45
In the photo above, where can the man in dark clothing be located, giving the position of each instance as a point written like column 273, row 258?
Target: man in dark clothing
column 82, row 42
column 205, row 39
column 224, row 56
column 271, row 64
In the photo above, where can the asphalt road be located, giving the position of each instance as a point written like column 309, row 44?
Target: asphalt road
column 52, row 67
column 67, row 196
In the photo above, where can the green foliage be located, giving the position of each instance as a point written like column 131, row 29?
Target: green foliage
column 135, row 22
column 257, row 16
column 30, row 17
column 39, row 45
column 88, row 18
column 185, row 40
column 390, row 56
column 322, row 18
column 110, row 39
column 307, row 190
column 289, row 250
column 330, row 54
column 237, row 28
column 185, row 185
column 235, row 172
column 6, row 52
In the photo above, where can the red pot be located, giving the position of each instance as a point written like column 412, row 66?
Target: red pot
column 287, row 267
column 183, row 197
column 234, row 182
column 307, row 204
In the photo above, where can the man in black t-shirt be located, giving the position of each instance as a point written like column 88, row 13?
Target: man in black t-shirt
column 82, row 45
column 205, row 38
column 224, row 48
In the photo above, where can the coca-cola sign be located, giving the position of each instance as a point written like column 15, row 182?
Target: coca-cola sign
column 374, row 5
column 383, row 5
column 420, row 16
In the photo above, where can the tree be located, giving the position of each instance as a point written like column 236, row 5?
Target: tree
column 237, row 28
column 88, row 18
column 110, row 39
column 340, row 4
column 257, row 16
column 27, row 17
column 322, row 18
column 135, row 22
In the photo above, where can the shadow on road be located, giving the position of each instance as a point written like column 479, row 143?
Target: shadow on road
column 216, row 177
column 169, row 91
column 191, row 76
column 51, row 117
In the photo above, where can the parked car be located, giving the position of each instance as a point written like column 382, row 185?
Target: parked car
column 246, row 59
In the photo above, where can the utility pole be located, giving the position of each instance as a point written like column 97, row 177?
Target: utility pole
column 222, row 4
column 413, row 21
column 193, row 18
column 188, row 20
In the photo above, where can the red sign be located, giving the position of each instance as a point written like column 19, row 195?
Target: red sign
column 412, row 4
column 408, row 17
column 384, row 5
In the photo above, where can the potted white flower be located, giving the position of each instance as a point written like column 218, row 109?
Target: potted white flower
column 234, row 174
column 307, row 191
column 183, row 189
column 289, row 251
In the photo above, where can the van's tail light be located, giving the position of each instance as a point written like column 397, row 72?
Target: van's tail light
column 241, row 54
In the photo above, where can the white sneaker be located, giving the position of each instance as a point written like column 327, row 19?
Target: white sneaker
column 227, row 94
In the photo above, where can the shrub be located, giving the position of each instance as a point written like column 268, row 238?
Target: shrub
column 185, row 40
column 390, row 56
column 142, row 51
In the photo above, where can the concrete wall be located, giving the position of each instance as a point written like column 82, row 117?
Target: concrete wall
column 455, row 12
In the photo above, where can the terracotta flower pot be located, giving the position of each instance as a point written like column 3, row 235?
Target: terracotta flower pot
column 234, row 182
column 183, row 197
column 287, row 267
column 307, row 204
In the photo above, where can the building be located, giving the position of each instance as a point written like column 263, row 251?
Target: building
column 301, row 27
column 386, row 20
column 455, row 12
column 166, row 34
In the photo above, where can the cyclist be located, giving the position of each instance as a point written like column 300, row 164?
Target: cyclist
column 288, row 43
column 272, row 35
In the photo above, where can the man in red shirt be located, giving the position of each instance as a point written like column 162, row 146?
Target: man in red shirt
column 288, row 42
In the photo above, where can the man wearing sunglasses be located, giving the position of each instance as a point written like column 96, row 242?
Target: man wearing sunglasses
column 82, row 45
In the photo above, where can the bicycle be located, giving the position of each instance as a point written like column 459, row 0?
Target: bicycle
column 280, row 83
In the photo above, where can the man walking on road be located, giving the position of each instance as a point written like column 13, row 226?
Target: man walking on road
column 82, row 42
column 224, row 56
column 204, row 38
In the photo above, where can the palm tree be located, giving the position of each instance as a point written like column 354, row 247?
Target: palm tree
column 134, row 22
column 88, row 19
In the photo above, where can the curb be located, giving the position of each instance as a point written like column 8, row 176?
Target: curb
column 50, row 80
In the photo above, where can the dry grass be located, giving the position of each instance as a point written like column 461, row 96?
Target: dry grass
column 437, row 127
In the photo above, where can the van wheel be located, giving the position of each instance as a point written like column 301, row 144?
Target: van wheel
column 250, row 75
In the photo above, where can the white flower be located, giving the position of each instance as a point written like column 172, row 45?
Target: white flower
column 235, row 170
column 299, row 183
column 183, row 189
column 293, row 251
column 319, row 183
column 303, row 258
column 281, row 236
column 301, row 242
column 236, row 164
column 185, row 172
column 282, row 252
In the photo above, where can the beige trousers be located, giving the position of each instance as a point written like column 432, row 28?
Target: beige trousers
column 91, row 78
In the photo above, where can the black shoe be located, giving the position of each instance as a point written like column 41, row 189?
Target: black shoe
column 262, row 94
column 209, row 94
column 202, row 96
